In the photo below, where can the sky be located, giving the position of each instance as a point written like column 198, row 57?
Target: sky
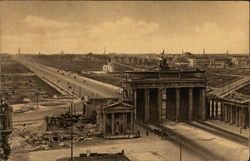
column 124, row 27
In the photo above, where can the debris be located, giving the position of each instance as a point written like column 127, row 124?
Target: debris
column 26, row 100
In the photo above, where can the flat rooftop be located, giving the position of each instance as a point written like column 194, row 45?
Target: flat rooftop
column 104, row 157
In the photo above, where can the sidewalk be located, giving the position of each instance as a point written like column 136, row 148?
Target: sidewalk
column 231, row 128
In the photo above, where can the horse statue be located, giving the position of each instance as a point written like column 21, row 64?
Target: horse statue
column 163, row 62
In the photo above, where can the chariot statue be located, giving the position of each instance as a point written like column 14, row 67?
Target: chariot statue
column 163, row 62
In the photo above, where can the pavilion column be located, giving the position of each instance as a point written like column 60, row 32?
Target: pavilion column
column 203, row 104
column 135, row 100
column 216, row 109
column 146, row 114
column 237, row 115
column 160, row 104
column 226, row 112
column 244, row 122
column 222, row 116
column 104, row 124
column 212, row 108
column 231, row 114
column 124, row 123
column 112, row 123
column 240, row 116
column 207, row 108
column 234, row 112
column 132, row 122
column 178, row 109
column 190, row 104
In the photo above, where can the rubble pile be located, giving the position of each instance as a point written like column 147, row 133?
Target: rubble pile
column 60, row 125
column 54, row 132
column 28, row 138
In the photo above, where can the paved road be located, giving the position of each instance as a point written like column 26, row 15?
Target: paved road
column 73, row 83
column 197, row 144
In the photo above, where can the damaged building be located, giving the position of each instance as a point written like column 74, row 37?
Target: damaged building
column 5, row 129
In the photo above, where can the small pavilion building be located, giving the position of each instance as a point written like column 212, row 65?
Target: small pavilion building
column 116, row 120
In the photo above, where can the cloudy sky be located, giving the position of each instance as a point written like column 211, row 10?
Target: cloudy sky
column 124, row 27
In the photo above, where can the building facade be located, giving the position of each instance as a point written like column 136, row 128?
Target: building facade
column 172, row 94
column 116, row 120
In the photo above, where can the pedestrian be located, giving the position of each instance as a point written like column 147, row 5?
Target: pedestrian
column 147, row 133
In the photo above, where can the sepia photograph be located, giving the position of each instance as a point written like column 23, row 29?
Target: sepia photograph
column 124, row 80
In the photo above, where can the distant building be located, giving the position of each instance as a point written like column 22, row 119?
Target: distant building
column 182, row 62
column 199, row 62
column 219, row 62
column 240, row 61
column 108, row 68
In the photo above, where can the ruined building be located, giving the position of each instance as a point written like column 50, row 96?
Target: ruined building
column 5, row 128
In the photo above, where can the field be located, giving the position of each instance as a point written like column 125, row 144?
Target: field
column 94, row 62
column 19, row 85
column 74, row 63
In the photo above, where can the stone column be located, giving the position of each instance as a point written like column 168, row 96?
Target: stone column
column 132, row 123
column 237, row 115
column 146, row 109
column 207, row 108
column 222, row 117
column 159, row 104
column 216, row 109
column 190, row 104
column 164, row 108
column 226, row 112
column 234, row 113
column 113, row 124
column 104, row 124
column 240, row 116
column 212, row 108
column 178, row 109
column 203, row 104
column 135, row 101
column 231, row 114
column 123, row 123
column 244, row 122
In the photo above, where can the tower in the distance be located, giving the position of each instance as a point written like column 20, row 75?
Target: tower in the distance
column 204, row 52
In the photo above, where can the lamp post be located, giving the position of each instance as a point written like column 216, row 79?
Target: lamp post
column 249, row 113
column 71, row 130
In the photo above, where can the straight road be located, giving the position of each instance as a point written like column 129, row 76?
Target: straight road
column 73, row 83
